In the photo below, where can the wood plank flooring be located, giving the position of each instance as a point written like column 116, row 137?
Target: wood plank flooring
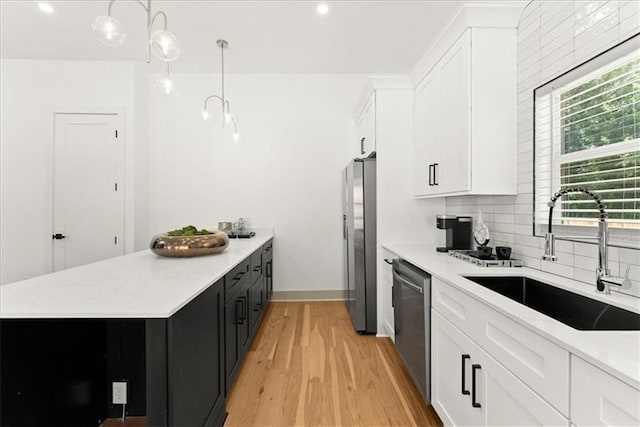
column 308, row 367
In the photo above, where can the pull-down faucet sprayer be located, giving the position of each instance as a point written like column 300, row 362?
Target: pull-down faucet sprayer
column 603, row 278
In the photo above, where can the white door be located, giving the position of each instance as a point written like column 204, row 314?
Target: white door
column 88, row 216
column 504, row 400
column 451, row 361
column 453, row 169
column 426, row 135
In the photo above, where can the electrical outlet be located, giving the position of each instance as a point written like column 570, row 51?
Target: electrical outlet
column 119, row 393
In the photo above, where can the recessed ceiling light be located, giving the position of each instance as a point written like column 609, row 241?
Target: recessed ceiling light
column 322, row 9
column 45, row 7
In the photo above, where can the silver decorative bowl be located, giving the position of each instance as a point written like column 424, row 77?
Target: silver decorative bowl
column 189, row 246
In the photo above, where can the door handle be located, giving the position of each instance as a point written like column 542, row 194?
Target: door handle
column 464, row 365
column 430, row 169
column 435, row 169
column 344, row 227
column 239, row 321
column 58, row 236
column 406, row 282
column 362, row 145
column 474, row 368
column 244, row 308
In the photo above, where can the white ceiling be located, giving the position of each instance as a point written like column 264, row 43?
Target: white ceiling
column 373, row 37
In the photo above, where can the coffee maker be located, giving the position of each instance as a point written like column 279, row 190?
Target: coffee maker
column 458, row 231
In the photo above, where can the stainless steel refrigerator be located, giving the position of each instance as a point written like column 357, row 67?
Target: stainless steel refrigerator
column 359, row 237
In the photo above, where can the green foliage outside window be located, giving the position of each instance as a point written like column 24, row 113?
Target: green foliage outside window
column 602, row 111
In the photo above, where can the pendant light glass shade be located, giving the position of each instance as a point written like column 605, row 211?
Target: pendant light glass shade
column 108, row 30
column 164, row 45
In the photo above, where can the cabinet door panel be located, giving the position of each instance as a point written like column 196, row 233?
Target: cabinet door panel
column 448, row 345
column 195, row 364
column 541, row 364
column 456, row 306
column 452, row 173
column 599, row 399
column 505, row 400
column 426, row 135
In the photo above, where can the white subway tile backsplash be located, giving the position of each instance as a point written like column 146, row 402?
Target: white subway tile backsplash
column 553, row 37
column 596, row 43
column 557, row 268
column 586, row 249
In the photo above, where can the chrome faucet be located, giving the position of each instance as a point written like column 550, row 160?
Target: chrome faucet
column 604, row 280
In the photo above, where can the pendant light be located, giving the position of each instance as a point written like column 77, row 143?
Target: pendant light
column 162, row 43
column 226, row 116
column 167, row 84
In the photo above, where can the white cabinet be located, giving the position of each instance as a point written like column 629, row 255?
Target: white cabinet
column 465, row 118
column 598, row 399
column 450, row 369
column 469, row 387
column 366, row 124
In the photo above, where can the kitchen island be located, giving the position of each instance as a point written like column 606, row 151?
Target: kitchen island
column 174, row 329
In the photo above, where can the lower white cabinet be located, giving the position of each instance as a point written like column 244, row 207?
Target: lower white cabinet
column 598, row 399
column 469, row 387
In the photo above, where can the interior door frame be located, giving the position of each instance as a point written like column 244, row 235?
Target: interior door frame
column 127, row 168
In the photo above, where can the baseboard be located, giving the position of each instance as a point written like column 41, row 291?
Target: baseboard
column 389, row 330
column 330, row 295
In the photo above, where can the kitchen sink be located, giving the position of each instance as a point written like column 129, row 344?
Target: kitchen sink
column 574, row 310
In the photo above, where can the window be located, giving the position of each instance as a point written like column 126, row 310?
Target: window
column 587, row 125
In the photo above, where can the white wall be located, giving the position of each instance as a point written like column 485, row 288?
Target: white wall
column 554, row 37
column 284, row 172
column 31, row 91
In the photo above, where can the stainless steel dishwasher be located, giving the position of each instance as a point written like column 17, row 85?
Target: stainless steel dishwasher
column 412, row 318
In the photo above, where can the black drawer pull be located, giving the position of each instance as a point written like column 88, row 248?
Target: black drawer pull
column 464, row 365
column 474, row 368
column 435, row 168
column 238, row 276
column 239, row 320
column 257, row 268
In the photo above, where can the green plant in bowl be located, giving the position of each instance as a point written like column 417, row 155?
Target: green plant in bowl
column 189, row 230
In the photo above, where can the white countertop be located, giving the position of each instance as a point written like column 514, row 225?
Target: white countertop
column 139, row 285
column 616, row 352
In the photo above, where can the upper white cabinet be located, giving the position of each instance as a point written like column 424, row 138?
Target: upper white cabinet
column 465, row 117
column 366, row 124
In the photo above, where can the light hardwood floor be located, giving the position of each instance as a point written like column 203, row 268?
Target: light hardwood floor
column 308, row 367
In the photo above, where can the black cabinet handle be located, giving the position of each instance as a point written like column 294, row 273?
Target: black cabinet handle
column 58, row 236
column 388, row 261
column 474, row 368
column 244, row 308
column 435, row 168
column 430, row 180
column 269, row 270
column 464, row 365
column 238, row 276
column 239, row 320
column 257, row 268
column 362, row 145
